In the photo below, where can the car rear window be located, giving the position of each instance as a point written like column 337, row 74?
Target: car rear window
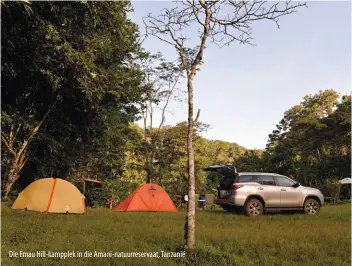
column 247, row 178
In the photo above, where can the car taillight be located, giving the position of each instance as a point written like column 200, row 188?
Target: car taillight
column 234, row 186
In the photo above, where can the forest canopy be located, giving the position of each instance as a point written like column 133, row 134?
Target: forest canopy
column 75, row 82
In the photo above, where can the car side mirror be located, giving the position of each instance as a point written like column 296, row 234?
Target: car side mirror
column 296, row 184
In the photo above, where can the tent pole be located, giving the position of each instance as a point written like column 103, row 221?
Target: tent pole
column 84, row 187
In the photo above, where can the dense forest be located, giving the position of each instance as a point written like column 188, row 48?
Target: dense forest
column 75, row 80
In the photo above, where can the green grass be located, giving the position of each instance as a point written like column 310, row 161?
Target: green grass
column 222, row 239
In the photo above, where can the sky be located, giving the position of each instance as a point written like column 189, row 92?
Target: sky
column 243, row 91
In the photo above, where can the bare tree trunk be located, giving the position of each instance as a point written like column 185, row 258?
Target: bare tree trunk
column 20, row 157
column 12, row 178
column 149, row 175
column 191, row 210
column 145, row 136
column 17, row 164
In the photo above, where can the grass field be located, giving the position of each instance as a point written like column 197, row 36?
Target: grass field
column 222, row 239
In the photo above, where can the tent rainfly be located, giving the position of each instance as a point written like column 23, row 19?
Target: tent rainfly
column 51, row 195
column 148, row 197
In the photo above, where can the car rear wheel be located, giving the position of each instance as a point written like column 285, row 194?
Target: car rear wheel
column 234, row 209
column 254, row 207
column 311, row 206
column 228, row 208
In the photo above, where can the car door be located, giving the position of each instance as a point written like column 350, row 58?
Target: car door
column 291, row 196
column 269, row 191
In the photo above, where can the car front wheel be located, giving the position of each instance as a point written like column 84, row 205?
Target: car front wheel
column 254, row 207
column 311, row 206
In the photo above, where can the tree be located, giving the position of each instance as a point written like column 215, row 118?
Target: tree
column 312, row 141
column 223, row 22
column 160, row 85
column 250, row 161
column 69, row 74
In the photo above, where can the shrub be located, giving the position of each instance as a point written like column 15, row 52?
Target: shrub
column 113, row 192
column 333, row 189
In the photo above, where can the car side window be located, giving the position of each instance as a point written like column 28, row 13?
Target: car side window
column 284, row 182
column 267, row 180
column 247, row 178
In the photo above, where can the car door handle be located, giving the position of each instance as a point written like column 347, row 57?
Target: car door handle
column 260, row 188
column 283, row 189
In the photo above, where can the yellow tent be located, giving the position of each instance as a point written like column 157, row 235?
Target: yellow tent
column 51, row 195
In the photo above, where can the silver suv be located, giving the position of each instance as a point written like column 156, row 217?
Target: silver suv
column 254, row 192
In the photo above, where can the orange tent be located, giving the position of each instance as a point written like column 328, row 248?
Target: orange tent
column 148, row 197
column 51, row 195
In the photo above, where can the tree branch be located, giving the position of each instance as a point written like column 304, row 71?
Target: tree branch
column 32, row 134
column 167, row 101
column 5, row 141
column 199, row 56
column 197, row 117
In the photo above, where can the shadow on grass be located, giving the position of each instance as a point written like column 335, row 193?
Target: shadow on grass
column 266, row 213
